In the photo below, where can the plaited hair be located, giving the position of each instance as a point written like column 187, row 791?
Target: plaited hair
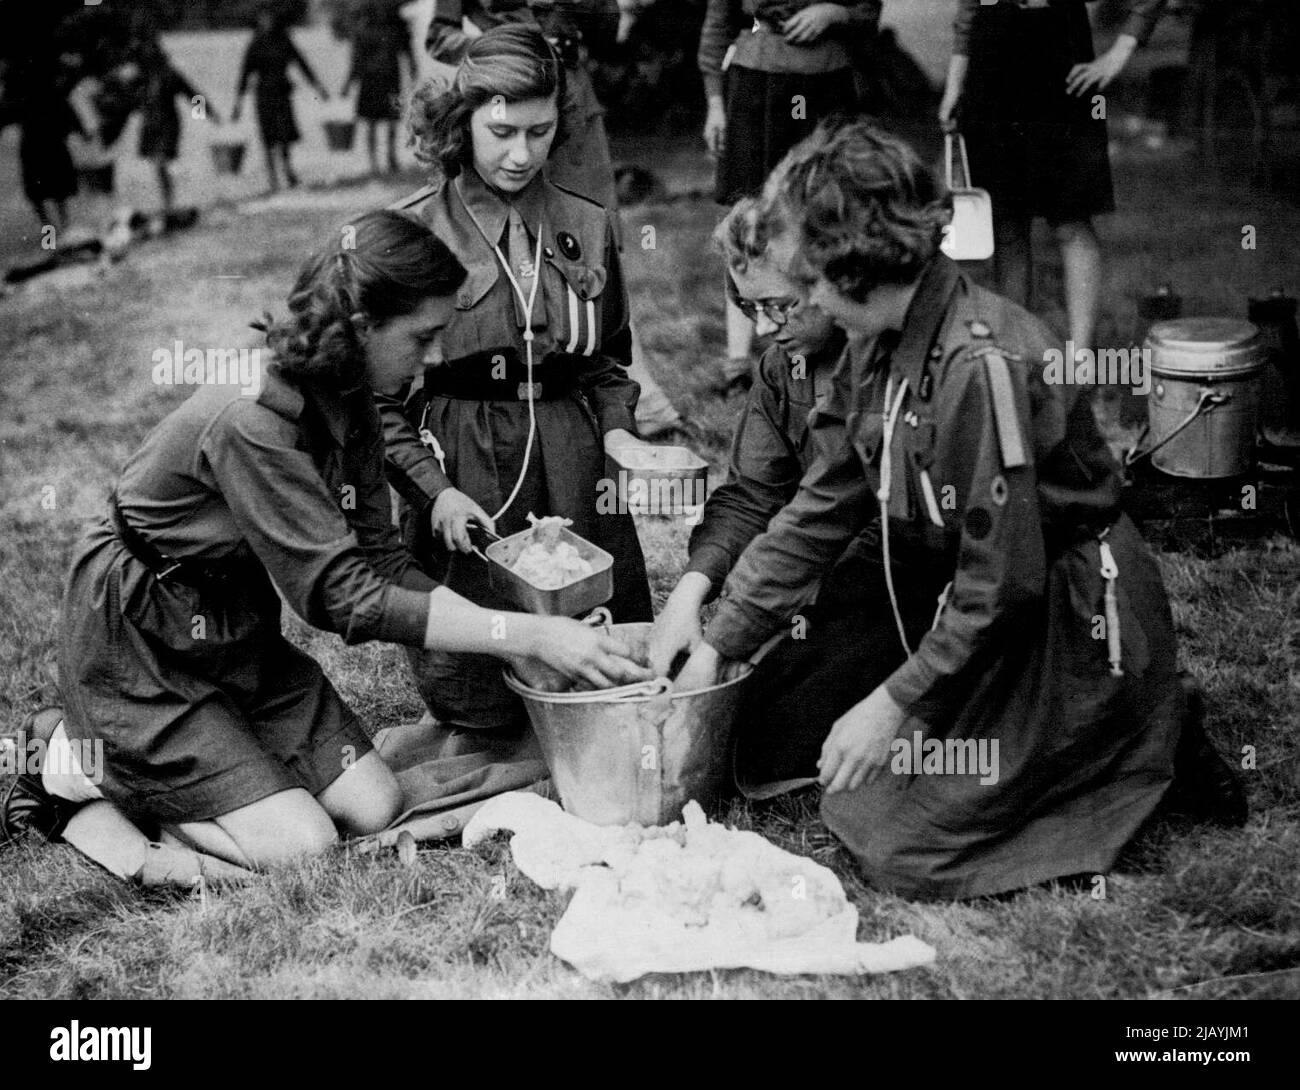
column 383, row 265
column 513, row 61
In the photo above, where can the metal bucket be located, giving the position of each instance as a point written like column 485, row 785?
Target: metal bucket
column 638, row 753
column 1204, row 402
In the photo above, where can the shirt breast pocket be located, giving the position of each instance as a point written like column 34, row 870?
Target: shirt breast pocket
column 575, row 302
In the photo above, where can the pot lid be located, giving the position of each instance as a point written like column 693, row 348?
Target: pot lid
column 1205, row 346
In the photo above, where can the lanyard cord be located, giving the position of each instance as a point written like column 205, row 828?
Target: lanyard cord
column 890, row 417
column 527, row 303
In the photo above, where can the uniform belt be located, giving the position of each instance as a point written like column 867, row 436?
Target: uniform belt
column 193, row 573
column 479, row 385
column 1025, row 4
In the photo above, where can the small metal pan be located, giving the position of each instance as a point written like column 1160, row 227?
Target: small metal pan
column 660, row 480
column 570, row 600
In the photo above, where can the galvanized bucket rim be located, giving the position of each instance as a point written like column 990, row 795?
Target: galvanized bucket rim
column 620, row 694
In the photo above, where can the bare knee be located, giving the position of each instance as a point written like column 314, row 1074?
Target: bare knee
column 283, row 828
column 365, row 799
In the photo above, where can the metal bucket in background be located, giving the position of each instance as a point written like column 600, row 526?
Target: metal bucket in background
column 637, row 753
column 1204, row 402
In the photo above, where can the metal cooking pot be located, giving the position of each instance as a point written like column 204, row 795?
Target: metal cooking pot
column 1204, row 402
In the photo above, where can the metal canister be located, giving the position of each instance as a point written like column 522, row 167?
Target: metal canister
column 1204, row 402
column 1275, row 316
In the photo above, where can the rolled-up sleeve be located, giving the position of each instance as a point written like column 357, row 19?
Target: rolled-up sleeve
column 284, row 510
column 1142, row 17
column 782, row 568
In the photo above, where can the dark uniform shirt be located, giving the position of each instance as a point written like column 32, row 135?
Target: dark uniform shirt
column 294, row 476
column 770, row 453
column 730, row 22
column 1014, row 468
column 580, row 317
column 1140, row 21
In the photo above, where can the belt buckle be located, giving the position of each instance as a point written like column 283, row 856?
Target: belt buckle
column 527, row 389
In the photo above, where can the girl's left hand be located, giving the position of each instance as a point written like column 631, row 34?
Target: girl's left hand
column 810, row 23
column 858, row 745
column 1100, row 73
column 621, row 439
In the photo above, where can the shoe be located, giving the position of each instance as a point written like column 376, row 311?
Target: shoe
column 27, row 806
column 1205, row 787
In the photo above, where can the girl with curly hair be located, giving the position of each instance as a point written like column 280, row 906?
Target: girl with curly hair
column 532, row 387
column 1021, row 714
column 214, row 727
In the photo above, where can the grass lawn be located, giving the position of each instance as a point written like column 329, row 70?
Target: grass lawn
column 1191, row 912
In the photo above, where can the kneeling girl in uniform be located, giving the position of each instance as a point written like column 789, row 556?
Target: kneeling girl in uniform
column 213, row 725
column 532, row 387
column 1003, row 736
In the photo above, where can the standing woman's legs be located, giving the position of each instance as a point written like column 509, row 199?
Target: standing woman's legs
column 268, row 150
column 165, row 188
column 1081, row 261
column 1013, row 258
column 371, row 135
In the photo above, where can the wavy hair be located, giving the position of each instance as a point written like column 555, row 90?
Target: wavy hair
column 513, row 61
column 383, row 265
column 868, row 210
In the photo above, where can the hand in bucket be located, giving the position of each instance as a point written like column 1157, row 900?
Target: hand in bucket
column 568, row 652
column 701, row 671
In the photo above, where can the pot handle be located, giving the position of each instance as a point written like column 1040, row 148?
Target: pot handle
column 1209, row 401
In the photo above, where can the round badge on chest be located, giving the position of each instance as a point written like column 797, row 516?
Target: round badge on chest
column 568, row 246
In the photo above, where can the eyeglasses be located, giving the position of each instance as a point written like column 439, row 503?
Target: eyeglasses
column 776, row 311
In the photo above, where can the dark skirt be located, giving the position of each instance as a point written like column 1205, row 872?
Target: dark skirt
column 195, row 721
column 761, row 126
column 1037, row 150
column 1083, row 757
column 160, row 133
column 48, row 173
column 275, row 117
column 379, row 97
column 484, row 443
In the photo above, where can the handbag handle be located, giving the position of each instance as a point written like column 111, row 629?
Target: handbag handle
column 949, row 140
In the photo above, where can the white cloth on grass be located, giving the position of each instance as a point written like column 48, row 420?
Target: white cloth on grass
column 685, row 897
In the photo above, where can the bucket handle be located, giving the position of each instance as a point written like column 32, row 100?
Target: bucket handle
column 1206, row 404
column 600, row 617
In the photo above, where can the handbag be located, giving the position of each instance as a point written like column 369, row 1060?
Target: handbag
column 969, row 234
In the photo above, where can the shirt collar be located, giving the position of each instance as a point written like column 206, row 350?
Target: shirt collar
column 491, row 208
column 925, row 316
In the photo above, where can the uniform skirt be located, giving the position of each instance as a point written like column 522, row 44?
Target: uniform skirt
column 200, row 703
column 160, row 133
column 761, row 121
column 1037, row 150
column 48, row 173
column 275, row 118
column 379, row 96
column 1083, row 757
column 484, row 443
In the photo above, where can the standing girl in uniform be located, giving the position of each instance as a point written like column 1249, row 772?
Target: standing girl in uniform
column 214, row 727
column 772, row 69
column 532, row 388
column 160, row 123
column 1027, row 81
column 379, row 44
column 268, row 58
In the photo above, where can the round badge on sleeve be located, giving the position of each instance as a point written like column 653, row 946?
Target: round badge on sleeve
column 568, row 246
